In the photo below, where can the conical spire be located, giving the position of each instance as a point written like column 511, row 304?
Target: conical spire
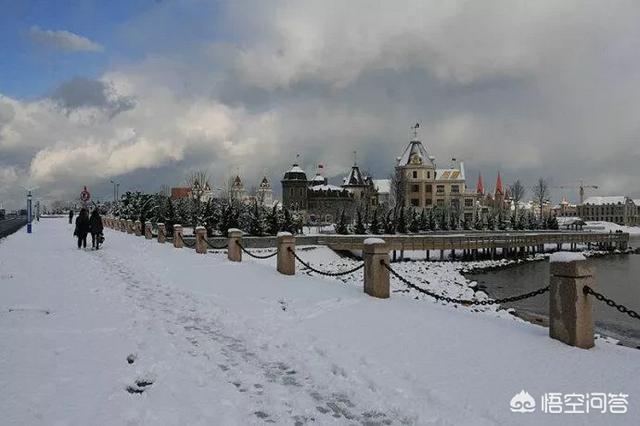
column 499, row 190
column 480, row 185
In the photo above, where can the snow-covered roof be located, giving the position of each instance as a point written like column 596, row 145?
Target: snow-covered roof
column 598, row 201
column 318, row 178
column 295, row 173
column 569, row 220
column 326, row 188
column 637, row 202
column 415, row 147
column 383, row 186
column 451, row 174
column 355, row 177
column 296, row 169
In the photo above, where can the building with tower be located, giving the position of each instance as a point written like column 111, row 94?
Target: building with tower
column 425, row 186
column 264, row 193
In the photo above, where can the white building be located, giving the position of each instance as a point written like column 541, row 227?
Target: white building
column 616, row 209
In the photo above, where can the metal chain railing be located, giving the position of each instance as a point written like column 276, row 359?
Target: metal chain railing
column 211, row 246
column 256, row 256
column 621, row 308
column 190, row 245
column 328, row 274
column 464, row 302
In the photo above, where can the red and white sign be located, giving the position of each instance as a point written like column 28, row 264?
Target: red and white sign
column 85, row 196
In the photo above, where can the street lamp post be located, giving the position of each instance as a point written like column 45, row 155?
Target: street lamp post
column 29, row 211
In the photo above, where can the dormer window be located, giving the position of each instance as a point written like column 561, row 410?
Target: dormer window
column 415, row 174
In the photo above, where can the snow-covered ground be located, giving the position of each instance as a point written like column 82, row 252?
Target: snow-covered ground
column 215, row 342
column 611, row 227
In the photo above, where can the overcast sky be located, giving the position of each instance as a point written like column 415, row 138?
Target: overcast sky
column 142, row 92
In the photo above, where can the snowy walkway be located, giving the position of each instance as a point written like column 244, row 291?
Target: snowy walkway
column 227, row 344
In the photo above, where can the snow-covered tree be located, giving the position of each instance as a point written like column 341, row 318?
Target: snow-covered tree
column 389, row 222
column 273, row 220
column 414, row 223
column 342, row 226
column 374, row 225
column 256, row 225
column 401, row 222
column 360, row 227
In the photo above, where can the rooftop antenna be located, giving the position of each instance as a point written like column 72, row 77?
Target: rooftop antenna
column 415, row 131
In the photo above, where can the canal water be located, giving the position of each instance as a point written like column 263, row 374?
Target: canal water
column 617, row 277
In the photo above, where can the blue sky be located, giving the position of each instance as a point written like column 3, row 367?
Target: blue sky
column 128, row 30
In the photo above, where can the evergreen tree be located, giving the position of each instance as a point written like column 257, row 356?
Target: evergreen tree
column 431, row 220
column 256, row 226
column 491, row 222
column 414, row 224
column 389, row 223
column 342, row 227
column 532, row 221
column 374, row 225
column 210, row 217
column 522, row 222
column 514, row 222
column 478, row 223
column 273, row 220
column 466, row 225
column 287, row 224
column 229, row 217
column 454, row 219
column 169, row 217
column 360, row 228
column 502, row 223
column 443, row 223
column 401, row 222
column 553, row 223
column 424, row 223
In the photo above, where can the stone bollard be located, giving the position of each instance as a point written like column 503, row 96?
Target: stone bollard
column 148, row 230
column 161, row 233
column 570, row 310
column 376, row 276
column 201, row 244
column 177, row 236
column 286, row 259
column 129, row 226
column 137, row 228
column 234, row 253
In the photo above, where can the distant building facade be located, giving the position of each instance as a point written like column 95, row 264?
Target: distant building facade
column 425, row 186
column 322, row 202
column 616, row 209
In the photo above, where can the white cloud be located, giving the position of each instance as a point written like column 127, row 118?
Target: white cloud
column 63, row 40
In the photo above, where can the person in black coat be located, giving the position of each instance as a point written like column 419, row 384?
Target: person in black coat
column 82, row 228
column 70, row 216
column 95, row 227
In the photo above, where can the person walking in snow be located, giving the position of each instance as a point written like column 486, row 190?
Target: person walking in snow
column 70, row 216
column 95, row 227
column 82, row 228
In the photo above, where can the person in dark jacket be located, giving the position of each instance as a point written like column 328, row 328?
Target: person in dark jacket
column 70, row 216
column 95, row 227
column 82, row 228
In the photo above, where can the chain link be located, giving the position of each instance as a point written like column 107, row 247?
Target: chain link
column 621, row 308
column 256, row 256
column 224, row 246
column 190, row 245
column 464, row 301
column 325, row 273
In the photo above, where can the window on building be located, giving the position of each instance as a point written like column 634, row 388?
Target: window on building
column 415, row 174
column 415, row 202
column 428, row 188
column 429, row 201
column 455, row 189
column 415, row 188
column 468, row 202
column 428, row 175
column 440, row 189
column 440, row 202
column 455, row 204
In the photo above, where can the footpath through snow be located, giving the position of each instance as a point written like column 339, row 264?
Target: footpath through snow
column 141, row 333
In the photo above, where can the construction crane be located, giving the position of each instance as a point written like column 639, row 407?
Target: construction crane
column 581, row 187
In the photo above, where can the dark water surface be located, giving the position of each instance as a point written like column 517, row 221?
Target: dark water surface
column 617, row 277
